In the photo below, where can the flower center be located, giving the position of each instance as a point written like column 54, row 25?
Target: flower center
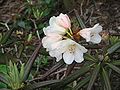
column 72, row 48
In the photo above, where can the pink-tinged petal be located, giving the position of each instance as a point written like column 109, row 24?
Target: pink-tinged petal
column 64, row 21
column 96, row 38
column 85, row 33
column 68, row 57
column 78, row 55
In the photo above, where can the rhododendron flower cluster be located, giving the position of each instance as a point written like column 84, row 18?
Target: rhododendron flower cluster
column 59, row 41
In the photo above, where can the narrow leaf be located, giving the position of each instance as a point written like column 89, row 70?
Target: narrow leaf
column 6, row 36
column 113, row 67
column 40, row 84
column 116, row 62
column 3, row 79
column 106, row 79
column 16, row 73
column 89, row 57
column 71, row 77
column 113, row 48
column 79, row 19
column 94, row 76
column 22, row 72
column 30, row 62
column 82, row 83
column 54, row 68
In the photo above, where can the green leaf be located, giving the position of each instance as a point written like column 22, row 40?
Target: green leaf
column 48, row 1
column 16, row 73
column 106, row 79
column 71, row 77
column 6, row 36
column 21, row 24
column 54, row 68
column 30, row 62
column 113, row 67
column 22, row 72
column 113, row 48
column 3, row 79
column 89, row 57
column 2, row 85
column 3, row 69
column 94, row 76
column 116, row 62
column 40, row 84
column 82, row 83
column 79, row 19
column 69, row 4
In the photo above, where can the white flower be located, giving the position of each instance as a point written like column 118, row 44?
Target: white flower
column 58, row 24
column 54, row 29
column 69, row 49
column 50, row 39
column 92, row 34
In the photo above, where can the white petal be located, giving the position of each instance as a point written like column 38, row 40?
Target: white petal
column 85, row 33
column 44, row 42
column 55, row 27
column 78, row 55
column 58, row 58
column 68, row 57
column 97, row 28
column 52, row 20
column 46, row 30
column 82, row 48
column 58, row 29
column 48, row 41
column 60, row 44
column 56, row 53
column 96, row 38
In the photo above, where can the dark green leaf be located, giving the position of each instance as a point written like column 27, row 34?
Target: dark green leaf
column 82, row 83
column 114, row 67
column 116, row 62
column 30, row 62
column 21, row 24
column 94, row 76
column 3, row 79
column 6, row 36
column 106, row 79
column 114, row 48
column 79, row 19
column 69, row 4
column 40, row 84
column 54, row 68
column 71, row 77
column 3, row 69
column 89, row 57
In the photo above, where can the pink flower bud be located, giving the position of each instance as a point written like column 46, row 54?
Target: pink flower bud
column 64, row 21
